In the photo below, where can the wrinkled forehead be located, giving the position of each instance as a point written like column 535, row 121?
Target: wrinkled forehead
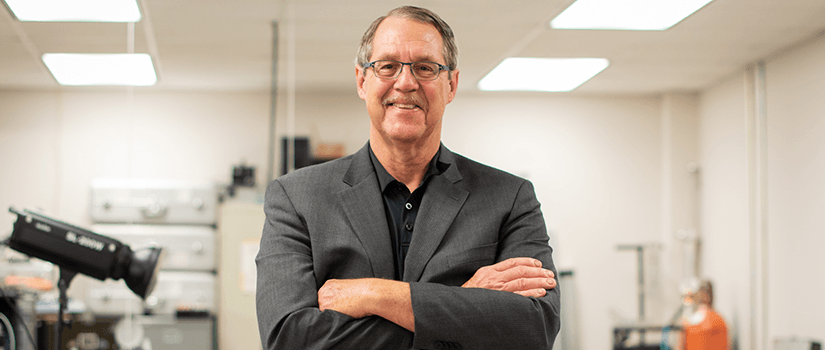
column 400, row 39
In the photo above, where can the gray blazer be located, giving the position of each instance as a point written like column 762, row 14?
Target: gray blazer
column 327, row 221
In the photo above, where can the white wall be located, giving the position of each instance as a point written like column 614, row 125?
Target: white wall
column 794, row 198
column 55, row 143
column 724, row 229
column 796, row 191
column 30, row 144
column 328, row 117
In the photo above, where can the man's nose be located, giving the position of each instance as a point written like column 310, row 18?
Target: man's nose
column 406, row 81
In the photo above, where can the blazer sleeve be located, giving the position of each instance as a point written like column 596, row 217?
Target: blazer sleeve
column 474, row 318
column 287, row 299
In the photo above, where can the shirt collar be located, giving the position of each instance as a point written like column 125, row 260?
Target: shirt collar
column 434, row 168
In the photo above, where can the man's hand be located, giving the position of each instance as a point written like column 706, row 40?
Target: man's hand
column 518, row 275
column 369, row 296
column 345, row 296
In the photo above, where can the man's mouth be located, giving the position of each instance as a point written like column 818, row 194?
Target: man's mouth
column 404, row 105
column 406, row 102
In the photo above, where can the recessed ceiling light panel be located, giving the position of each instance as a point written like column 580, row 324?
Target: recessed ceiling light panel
column 75, row 10
column 101, row 69
column 626, row 14
column 542, row 74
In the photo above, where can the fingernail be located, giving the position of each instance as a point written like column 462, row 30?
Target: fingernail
column 537, row 263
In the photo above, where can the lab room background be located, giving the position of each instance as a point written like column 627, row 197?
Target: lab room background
column 731, row 174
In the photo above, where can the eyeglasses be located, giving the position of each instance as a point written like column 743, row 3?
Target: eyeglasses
column 388, row 70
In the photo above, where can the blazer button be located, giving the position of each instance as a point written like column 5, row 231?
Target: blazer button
column 409, row 227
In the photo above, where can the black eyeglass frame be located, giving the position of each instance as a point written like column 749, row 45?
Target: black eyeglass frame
column 441, row 67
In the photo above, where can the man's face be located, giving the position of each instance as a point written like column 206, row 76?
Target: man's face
column 405, row 110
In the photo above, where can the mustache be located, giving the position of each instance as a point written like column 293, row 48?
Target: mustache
column 405, row 99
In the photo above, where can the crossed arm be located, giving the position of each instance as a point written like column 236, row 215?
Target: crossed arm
column 391, row 300
column 511, row 304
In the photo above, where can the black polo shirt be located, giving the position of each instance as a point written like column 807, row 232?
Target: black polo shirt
column 401, row 206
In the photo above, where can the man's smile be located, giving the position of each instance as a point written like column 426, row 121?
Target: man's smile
column 404, row 106
column 404, row 102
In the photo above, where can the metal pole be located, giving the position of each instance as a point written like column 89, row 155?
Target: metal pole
column 640, row 276
column 290, row 85
column 640, row 252
column 273, row 107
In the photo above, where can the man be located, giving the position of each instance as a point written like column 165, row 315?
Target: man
column 405, row 244
column 704, row 328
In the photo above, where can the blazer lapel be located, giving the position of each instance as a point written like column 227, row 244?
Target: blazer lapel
column 440, row 205
column 363, row 205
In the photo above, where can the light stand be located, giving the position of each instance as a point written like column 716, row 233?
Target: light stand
column 76, row 250
column 65, row 279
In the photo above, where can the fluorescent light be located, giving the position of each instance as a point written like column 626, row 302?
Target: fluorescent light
column 542, row 74
column 75, row 10
column 101, row 69
column 626, row 14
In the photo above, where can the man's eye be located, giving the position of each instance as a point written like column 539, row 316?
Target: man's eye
column 425, row 68
column 387, row 66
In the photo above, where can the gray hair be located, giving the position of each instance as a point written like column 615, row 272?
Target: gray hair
column 449, row 49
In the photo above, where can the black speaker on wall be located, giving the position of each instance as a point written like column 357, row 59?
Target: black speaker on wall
column 303, row 155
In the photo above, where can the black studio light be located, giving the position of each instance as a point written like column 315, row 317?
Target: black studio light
column 75, row 250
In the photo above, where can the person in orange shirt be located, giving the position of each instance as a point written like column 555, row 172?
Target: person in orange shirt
column 704, row 328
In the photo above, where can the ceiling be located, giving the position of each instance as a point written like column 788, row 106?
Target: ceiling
column 228, row 45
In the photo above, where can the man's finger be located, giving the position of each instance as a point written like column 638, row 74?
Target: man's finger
column 525, row 272
column 533, row 293
column 525, row 284
column 516, row 262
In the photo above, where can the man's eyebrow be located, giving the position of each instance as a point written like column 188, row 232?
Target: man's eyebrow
column 392, row 57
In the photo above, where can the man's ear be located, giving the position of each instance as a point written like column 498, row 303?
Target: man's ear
column 453, row 86
column 359, row 82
